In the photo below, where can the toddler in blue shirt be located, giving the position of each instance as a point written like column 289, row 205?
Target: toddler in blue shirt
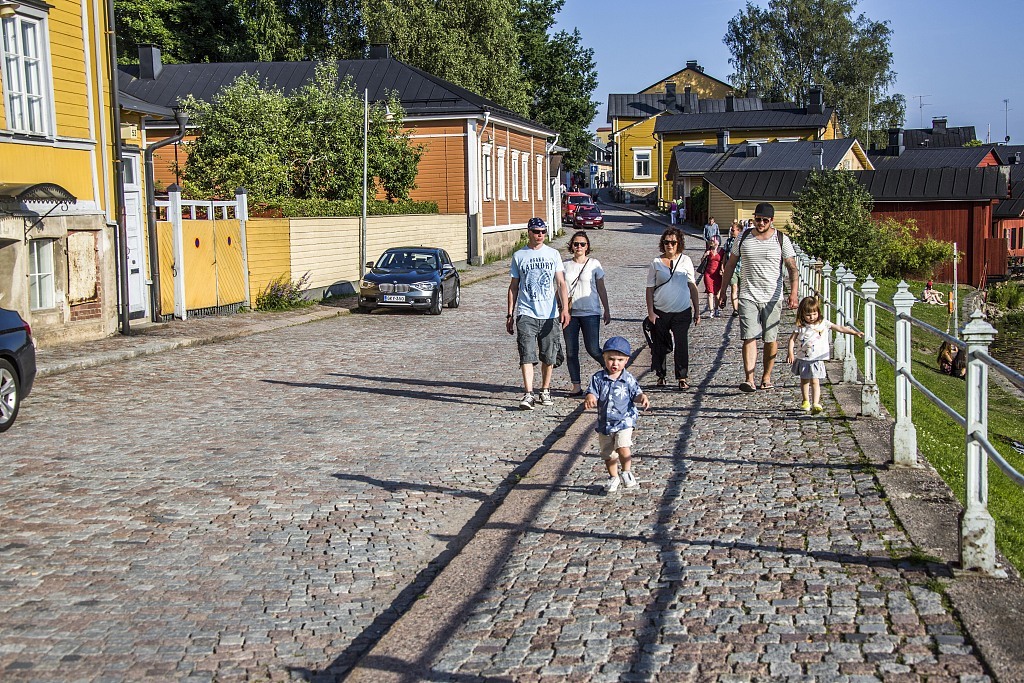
column 616, row 393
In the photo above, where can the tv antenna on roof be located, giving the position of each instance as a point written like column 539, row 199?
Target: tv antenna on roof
column 921, row 105
column 1006, row 119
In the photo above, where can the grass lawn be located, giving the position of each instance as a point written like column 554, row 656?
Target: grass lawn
column 941, row 440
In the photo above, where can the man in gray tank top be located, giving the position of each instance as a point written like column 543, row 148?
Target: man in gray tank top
column 764, row 253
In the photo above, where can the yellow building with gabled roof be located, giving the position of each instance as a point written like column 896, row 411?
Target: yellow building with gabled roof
column 58, row 194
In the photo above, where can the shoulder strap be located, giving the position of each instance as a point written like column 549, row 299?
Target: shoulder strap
column 670, row 273
column 577, row 280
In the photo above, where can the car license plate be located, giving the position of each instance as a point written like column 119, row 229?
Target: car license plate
column 394, row 298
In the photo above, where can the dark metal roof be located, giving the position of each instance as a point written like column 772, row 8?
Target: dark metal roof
column 640, row 105
column 643, row 105
column 779, row 119
column 135, row 104
column 1013, row 207
column 772, row 156
column 1007, row 154
column 931, row 157
column 955, row 136
column 894, row 185
column 421, row 93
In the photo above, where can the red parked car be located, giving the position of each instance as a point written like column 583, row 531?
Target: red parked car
column 571, row 201
column 588, row 217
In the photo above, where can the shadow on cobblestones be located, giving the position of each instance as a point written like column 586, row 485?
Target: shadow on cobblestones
column 416, row 589
column 482, row 387
column 392, row 486
column 395, row 393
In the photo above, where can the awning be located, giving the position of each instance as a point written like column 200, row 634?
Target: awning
column 38, row 192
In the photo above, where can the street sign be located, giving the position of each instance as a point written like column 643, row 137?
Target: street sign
column 593, row 169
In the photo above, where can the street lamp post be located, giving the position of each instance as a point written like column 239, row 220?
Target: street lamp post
column 362, row 225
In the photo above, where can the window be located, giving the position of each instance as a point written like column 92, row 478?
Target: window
column 486, row 170
column 526, row 178
column 24, row 99
column 40, row 274
column 501, row 173
column 642, row 163
column 515, row 176
column 540, row 178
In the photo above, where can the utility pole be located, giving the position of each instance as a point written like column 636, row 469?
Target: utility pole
column 921, row 105
column 1006, row 120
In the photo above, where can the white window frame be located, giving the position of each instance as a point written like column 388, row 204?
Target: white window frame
column 756, row 141
column 41, row 286
column 638, row 152
column 501, row 173
column 540, row 178
column 515, row 176
column 27, row 82
column 695, row 143
column 788, row 139
column 486, row 171
column 526, row 177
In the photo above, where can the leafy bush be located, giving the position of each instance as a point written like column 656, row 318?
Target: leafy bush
column 699, row 200
column 288, row 207
column 284, row 294
column 896, row 252
column 1008, row 295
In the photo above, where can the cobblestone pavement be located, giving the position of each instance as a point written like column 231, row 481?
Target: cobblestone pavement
column 263, row 508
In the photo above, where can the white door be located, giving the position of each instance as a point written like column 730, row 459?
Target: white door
column 138, row 301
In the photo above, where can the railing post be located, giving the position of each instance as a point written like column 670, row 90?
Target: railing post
column 839, row 347
column 869, row 402
column 904, row 433
column 977, row 528
column 178, row 250
column 242, row 214
column 816, row 264
column 850, row 359
column 826, row 291
column 801, row 263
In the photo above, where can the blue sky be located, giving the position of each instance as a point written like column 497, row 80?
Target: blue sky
column 960, row 55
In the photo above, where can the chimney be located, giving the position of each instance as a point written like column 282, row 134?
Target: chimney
column 939, row 125
column 692, row 64
column 1015, row 159
column 723, row 140
column 670, row 95
column 730, row 102
column 895, row 147
column 150, row 65
column 818, row 152
column 751, row 91
column 689, row 101
column 815, row 100
column 380, row 51
column 753, row 150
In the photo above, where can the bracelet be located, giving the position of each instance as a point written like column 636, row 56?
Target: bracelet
column 508, row 317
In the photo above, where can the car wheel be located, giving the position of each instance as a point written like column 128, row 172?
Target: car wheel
column 436, row 304
column 457, row 297
column 10, row 395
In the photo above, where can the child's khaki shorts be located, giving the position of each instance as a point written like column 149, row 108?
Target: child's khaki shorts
column 612, row 442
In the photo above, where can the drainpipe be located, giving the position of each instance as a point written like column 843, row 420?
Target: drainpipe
column 119, row 211
column 154, row 249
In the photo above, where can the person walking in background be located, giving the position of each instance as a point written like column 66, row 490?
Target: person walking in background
column 713, row 263
column 584, row 279
column 673, row 210
column 732, row 285
column 811, row 342
column 615, row 393
column 711, row 231
column 765, row 253
column 536, row 294
column 672, row 302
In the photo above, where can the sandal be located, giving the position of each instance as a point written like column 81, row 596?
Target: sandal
column 748, row 388
column 766, row 386
column 684, row 384
column 661, row 382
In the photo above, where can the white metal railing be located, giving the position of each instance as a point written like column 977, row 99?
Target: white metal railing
column 977, row 527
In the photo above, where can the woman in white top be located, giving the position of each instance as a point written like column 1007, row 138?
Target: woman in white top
column 671, row 297
column 584, row 279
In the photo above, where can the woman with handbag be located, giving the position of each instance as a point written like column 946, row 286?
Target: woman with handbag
column 713, row 263
column 672, row 302
column 584, row 278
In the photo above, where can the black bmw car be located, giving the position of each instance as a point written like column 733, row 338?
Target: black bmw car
column 17, row 365
column 422, row 278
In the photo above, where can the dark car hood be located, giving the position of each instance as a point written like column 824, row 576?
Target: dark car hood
column 400, row 275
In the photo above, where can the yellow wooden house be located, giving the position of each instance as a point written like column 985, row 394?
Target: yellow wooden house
column 58, row 200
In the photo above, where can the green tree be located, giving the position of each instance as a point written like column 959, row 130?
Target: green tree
column 562, row 78
column 785, row 48
column 458, row 40
column 832, row 218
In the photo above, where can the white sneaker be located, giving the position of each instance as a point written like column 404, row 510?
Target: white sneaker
column 629, row 481
column 611, row 485
column 545, row 398
column 527, row 402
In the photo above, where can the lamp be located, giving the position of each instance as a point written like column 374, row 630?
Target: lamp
column 8, row 9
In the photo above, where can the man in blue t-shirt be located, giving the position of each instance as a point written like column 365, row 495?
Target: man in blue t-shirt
column 538, row 309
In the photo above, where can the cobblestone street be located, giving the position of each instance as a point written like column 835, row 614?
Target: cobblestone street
column 266, row 507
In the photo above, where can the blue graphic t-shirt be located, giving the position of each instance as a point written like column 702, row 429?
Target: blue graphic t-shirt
column 615, row 409
column 535, row 269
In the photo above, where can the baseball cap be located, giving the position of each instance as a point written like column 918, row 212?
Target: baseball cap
column 617, row 344
column 764, row 209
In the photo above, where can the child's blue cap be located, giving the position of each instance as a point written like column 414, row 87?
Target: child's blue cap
column 618, row 344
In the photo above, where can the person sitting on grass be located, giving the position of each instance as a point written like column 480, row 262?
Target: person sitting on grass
column 932, row 295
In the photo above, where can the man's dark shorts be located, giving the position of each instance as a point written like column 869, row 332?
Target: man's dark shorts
column 543, row 336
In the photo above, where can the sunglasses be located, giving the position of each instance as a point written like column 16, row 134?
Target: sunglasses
column 538, row 232
column 762, row 219
column 580, row 244
column 670, row 241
